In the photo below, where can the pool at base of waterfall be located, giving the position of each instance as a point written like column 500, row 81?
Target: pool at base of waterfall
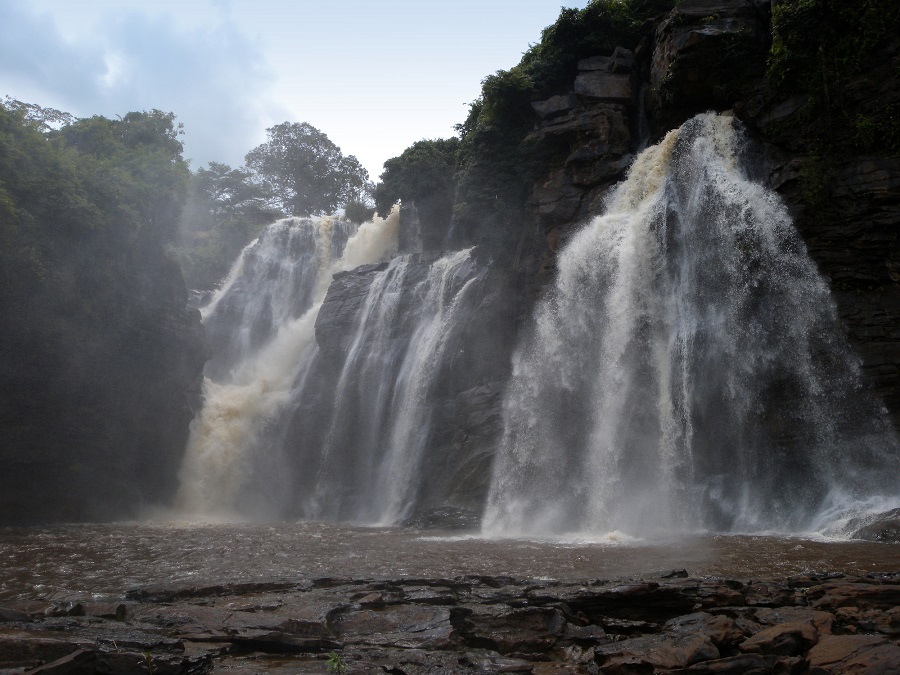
column 103, row 561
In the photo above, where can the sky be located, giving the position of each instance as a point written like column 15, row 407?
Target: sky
column 374, row 75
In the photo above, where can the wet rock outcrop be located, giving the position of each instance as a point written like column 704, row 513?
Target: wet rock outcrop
column 465, row 379
column 474, row 624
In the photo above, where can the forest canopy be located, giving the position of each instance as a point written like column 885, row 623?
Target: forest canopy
column 299, row 171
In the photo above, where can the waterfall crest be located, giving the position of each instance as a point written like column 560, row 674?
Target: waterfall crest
column 687, row 371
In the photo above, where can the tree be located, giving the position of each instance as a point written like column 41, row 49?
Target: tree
column 306, row 172
column 226, row 209
column 134, row 169
column 93, row 326
column 424, row 175
column 425, row 171
column 45, row 118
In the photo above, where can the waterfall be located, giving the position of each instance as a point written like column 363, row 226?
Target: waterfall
column 370, row 464
column 261, row 331
column 687, row 371
column 302, row 422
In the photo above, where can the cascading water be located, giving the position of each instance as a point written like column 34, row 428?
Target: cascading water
column 371, row 456
column 261, row 330
column 293, row 428
column 688, row 370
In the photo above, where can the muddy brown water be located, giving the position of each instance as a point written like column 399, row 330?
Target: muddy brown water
column 103, row 561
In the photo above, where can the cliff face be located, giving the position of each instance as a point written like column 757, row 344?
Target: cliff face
column 99, row 382
column 702, row 55
column 712, row 55
column 446, row 383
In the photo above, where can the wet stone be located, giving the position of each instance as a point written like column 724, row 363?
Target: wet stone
column 875, row 595
column 486, row 661
column 743, row 664
column 281, row 643
column 29, row 645
column 616, row 626
column 13, row 615
column 769, row 594
column 823, row 621
column 506, row 629
column 407, row 626
column 854, row 654
column 786, row 639
column 644, row 654
column 721, row 630
column 80, row 662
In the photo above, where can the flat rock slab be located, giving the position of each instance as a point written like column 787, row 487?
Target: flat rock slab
column 473, row 624
column 854, row 654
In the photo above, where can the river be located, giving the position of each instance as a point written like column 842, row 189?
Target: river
column 88, row 561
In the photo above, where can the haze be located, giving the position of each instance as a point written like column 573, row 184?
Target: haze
column 374, row 76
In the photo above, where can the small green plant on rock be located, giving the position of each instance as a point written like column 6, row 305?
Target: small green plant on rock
column 336, row 664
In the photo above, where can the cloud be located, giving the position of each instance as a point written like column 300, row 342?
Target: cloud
column 209, row 73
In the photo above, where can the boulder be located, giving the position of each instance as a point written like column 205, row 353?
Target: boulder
column 885, row 528
column 605, row 86
column 507, row 630
column 868, row 594
column 823, row 621
column 650, row 652
column 555, row 105
column 854, row 654
column 784, row 639
column 721, row 630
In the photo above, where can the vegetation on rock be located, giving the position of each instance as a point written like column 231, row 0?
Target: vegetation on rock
column 226, row 209
column 97, row 351
column 824, row 53
column 496, row 167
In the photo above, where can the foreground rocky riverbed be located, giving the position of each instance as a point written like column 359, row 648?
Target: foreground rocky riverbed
column 664, row 623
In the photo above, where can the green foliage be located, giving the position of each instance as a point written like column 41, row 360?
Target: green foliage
column 335, row 664
column 549, row 66
column 134, row 170
column 226, row 209
column 494, row 166
column 88, row 297
column 305, row 172
column 819, row 47
column 45, row 118
column 581, row 33
column 424, row 171
column 358, row 212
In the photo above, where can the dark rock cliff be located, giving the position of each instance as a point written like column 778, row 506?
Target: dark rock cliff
column 465, row 381
column 99, row 393
column 100, row 358
column 712, row 55
column 701, row 55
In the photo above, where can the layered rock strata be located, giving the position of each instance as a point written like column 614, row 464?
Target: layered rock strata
column 670, row 625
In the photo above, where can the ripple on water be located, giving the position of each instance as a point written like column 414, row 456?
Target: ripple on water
column 94, row 561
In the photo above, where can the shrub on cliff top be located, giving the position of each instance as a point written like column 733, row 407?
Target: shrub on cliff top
column 425, row 170
column 495, row 168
